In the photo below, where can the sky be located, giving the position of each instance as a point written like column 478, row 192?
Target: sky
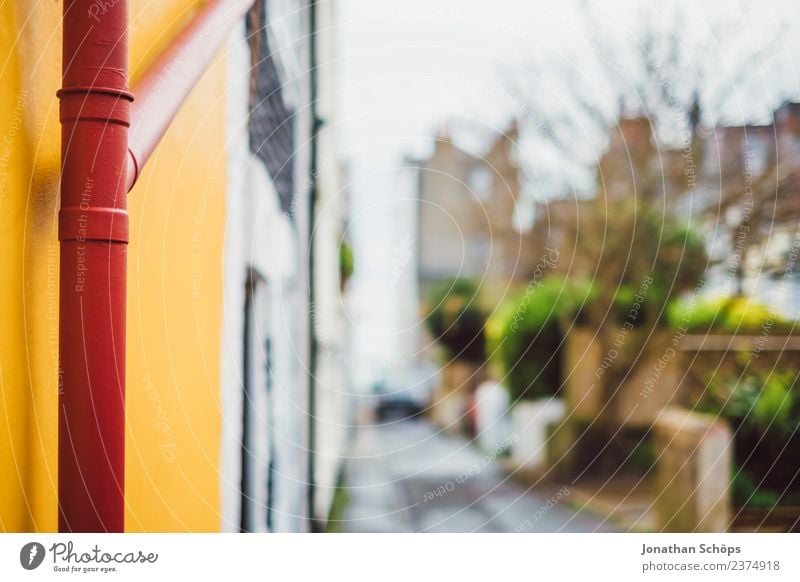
column 405, row 67
column 405, row 70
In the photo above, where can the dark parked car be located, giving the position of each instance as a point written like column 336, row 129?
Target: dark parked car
column 397, row 406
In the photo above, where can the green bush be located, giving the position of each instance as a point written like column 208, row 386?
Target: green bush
column 576, row 299
column 346, row 261
column 726, row 315
column 764, row 402
column 524, row 338
column 629, row 249
column 747, row 493
column 636, row 292
column 630, row 299
column 764, row 411
column 682, row 258
column 456, row 319
column 580, row 297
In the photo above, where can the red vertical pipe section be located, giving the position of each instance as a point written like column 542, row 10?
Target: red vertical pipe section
column 93, row 230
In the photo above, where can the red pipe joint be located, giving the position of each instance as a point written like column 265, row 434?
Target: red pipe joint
column 167, row 83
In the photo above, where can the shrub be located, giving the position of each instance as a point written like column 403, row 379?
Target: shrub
column 628, row 298
column 725, row 314
column 582, row 296
column 523, row 339
column 682, row 258
column 764, row 411
column 576, row 299
column 747, row 493
column 625, row 246
column 660, row 258
column 346, row 262
column 765, row 402
column 456, row 320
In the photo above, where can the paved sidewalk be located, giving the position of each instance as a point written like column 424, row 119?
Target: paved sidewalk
column 407, row 477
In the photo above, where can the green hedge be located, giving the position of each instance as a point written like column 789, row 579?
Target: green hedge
column 725, row 315
column 524, row 337
column 763, row 409
column 456, row 320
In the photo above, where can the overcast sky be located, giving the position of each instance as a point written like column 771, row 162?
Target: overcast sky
column 407, row 66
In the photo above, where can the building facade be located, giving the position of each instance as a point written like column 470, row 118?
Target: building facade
column 738, row 185
column 467, row 221
column 220, row 350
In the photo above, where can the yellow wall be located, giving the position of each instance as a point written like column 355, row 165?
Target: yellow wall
column 174, row 285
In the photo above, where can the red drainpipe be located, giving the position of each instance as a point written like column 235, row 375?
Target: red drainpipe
column 93, row 230
column 99, row 164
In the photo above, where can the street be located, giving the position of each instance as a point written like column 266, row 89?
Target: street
column 408, row 477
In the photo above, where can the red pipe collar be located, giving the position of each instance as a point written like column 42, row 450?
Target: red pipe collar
column 103, row 104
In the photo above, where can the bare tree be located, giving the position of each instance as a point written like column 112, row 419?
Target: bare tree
column 641, row 123
column 675, row 81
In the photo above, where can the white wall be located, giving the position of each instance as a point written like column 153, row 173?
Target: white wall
column 235, row 260
column 261, row 237
column 330, row 324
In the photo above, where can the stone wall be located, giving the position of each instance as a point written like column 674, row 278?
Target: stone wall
column 693, row 470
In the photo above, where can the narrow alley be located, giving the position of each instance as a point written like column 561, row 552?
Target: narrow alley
column 361, row 266
column 408, row 477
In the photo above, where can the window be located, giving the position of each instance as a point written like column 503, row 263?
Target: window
column 480, row 182
column 257, row 455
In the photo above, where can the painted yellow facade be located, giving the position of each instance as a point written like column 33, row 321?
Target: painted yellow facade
column 174, row 284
